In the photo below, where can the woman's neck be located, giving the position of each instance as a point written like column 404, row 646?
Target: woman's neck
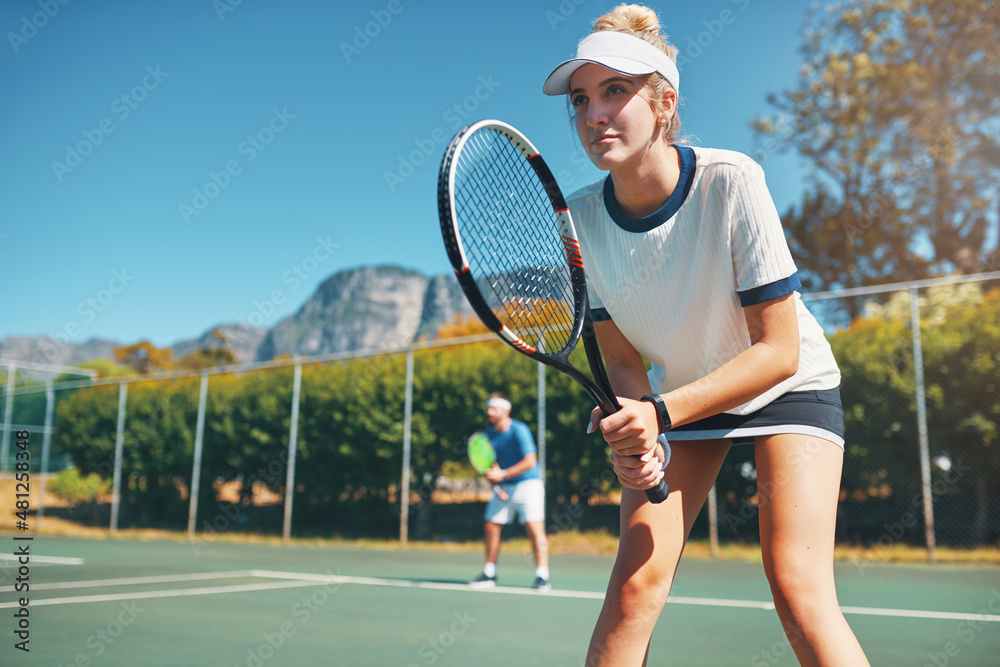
column 643, row 187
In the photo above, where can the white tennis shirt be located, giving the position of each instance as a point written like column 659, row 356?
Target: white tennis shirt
column 675, row 283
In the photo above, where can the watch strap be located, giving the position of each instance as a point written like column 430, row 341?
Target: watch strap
column 662, row 416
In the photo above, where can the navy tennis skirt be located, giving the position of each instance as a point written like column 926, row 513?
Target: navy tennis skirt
column 818, row 413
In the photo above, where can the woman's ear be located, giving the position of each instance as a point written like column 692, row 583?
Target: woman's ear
column 667, row 109
column 669, row 103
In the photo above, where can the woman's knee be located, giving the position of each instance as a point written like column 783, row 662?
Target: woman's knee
column 642, row 592
column 801, row 586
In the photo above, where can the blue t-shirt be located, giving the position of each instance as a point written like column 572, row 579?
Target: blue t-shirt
column 511, row 446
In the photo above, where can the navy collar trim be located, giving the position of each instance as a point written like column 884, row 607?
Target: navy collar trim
column 668, row 209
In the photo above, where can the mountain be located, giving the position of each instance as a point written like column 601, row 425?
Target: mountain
column 442, row 301
column 243, row 339
column 370, row 307
column 45, row 350
column 363, row 308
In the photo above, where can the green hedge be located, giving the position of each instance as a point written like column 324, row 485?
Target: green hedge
column 351, row 431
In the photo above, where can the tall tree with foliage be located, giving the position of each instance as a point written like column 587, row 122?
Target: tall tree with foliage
column 212, row 355
column 896, row 109
column 960, row 333
column 144, row 357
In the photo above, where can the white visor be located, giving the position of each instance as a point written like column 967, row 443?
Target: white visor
column 618, row 51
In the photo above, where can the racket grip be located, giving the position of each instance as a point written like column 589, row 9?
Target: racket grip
column 659, row 493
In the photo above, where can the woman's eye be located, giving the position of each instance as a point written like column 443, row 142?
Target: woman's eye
column 578, row 100
column 615, row 90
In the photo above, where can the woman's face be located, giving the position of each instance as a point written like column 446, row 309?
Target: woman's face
column 616, row 124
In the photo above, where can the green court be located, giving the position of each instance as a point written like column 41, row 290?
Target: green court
column 171, row 603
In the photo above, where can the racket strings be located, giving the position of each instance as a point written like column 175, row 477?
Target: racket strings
column 511, row 240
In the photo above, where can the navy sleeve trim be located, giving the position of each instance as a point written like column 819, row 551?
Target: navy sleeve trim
column 600, row 315
column 774, row 290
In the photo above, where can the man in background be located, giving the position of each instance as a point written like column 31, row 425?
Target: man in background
column 517, row 471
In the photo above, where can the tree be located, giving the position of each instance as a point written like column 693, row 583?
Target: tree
column 77, row 489
column 896, row 109
column 460, row 326
column 962, row 361
column 157, row 446
column 144, row 357
column 104, row 367
column 960, row 336
column 530, row 318
column 210, row 356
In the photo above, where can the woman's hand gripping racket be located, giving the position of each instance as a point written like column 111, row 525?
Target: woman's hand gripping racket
column 512, row 243
column 482, row 456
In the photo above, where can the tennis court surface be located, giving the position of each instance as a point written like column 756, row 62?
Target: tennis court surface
column 170, row 603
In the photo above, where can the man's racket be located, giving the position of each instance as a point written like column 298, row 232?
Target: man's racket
column 482, row 456
column 512, row 243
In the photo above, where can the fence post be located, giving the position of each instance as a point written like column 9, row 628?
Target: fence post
column 925, row 459
column 713, row 523
column 46, row 444
column 541, row 420
column 293, row 437
column 404, row 494
column 8, row 413
column 116, row 493
column 199, row 437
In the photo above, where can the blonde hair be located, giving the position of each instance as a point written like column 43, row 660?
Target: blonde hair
column 641, row 21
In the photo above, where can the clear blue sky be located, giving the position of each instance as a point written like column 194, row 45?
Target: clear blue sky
column 286, row 117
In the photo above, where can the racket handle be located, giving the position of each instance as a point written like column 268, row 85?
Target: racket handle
column 658, row 494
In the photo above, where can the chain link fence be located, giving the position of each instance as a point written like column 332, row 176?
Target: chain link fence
column 378, row 437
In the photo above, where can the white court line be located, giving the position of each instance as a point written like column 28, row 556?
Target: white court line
column 162, row 579
column 704, row 602
column 914, row 613
column 433, row 585
column 35, row 602
column 303, row 579
column 51, row 560
column 715, row 602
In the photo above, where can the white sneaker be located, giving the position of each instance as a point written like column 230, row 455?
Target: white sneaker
column 482, row 581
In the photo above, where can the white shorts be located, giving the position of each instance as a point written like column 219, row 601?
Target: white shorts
column 526, row 503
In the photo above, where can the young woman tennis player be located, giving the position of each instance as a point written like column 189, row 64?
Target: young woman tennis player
column 688, row 267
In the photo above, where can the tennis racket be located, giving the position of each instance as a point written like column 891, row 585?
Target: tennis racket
column 482, row 456
column 512, row 243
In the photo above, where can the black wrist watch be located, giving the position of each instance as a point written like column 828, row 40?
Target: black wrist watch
column 662, row 416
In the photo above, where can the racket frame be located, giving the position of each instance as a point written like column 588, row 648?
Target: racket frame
column 599, row 389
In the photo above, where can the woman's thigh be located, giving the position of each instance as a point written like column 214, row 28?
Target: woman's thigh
column 798, row 488
column 653, row 536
